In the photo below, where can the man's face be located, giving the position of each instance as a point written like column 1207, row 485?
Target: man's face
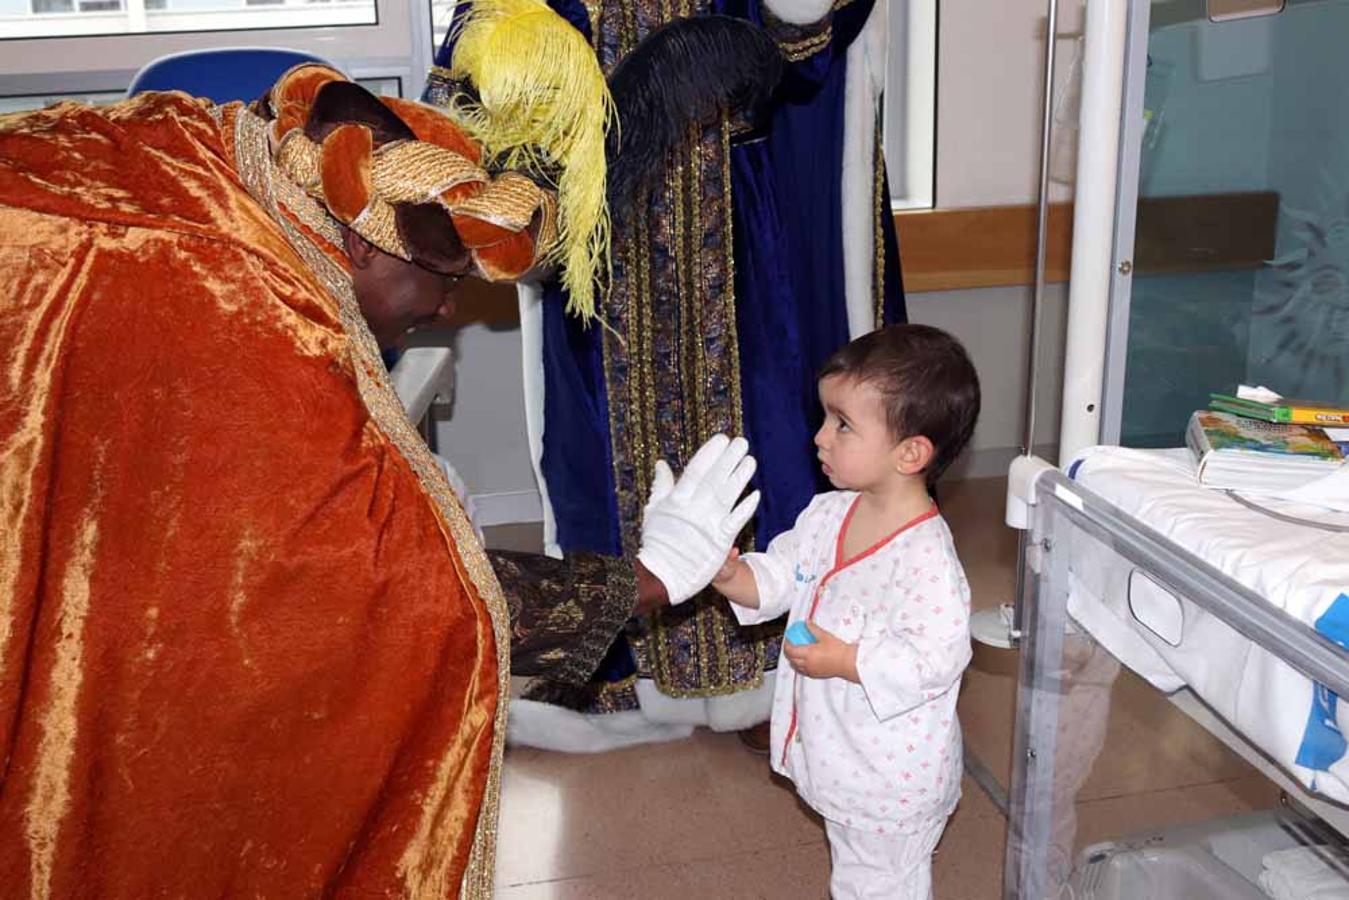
column 395, row 296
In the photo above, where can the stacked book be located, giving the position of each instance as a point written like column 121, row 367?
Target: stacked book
column 1267, row 451
column 1280, row 409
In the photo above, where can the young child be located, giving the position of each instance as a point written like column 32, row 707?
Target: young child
column 864, row 721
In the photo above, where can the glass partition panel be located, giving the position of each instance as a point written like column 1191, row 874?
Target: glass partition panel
column 1242, row 236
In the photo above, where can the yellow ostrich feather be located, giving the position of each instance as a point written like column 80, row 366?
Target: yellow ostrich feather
column 543, row 107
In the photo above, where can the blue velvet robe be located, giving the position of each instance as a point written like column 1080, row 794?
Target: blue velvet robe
column 784, row 280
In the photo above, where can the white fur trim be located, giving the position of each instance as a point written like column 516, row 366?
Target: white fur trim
column 732, row 712
column 661, row 718
column 547, row 727
column 531, row 354
column 799, row 12
column 866, row 77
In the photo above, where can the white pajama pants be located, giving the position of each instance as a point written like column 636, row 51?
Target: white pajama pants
column 895, row 866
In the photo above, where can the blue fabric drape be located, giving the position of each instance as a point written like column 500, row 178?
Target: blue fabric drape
column 577, row 458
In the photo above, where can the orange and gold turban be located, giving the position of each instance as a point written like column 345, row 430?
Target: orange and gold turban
column 406, row 178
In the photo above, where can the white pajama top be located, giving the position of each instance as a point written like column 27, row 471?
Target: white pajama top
column 883, row 755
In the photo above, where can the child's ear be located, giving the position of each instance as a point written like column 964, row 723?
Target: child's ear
column 913, row 454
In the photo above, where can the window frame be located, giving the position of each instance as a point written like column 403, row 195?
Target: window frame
column 909, row 105
column 396, row 45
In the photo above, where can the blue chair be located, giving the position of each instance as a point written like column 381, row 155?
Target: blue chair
column 220, row 74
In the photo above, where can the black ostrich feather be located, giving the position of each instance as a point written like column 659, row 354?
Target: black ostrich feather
column 683, row 73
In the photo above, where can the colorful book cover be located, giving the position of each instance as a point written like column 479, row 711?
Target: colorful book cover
column 1296, row 412
column 1227, row 431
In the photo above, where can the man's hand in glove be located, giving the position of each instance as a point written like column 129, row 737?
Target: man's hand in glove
column 690, row 525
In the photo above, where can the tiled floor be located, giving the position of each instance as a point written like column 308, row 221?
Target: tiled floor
column 705, row 818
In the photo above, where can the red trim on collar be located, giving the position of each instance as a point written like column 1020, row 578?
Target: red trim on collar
column 840, row 563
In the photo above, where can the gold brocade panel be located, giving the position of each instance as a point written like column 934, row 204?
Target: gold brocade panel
column 672, row 367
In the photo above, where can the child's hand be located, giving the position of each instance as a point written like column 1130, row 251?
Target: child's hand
column 828, row 657
column 727, row 570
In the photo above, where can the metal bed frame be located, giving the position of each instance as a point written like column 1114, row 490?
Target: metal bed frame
column 1060, row 507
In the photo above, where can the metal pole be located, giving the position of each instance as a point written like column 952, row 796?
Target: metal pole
column 1037, row 297
column 1042, row 225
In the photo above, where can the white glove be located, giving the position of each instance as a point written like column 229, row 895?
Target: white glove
column 688, row 527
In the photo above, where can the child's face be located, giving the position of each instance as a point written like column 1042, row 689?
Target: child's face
column 856, row 449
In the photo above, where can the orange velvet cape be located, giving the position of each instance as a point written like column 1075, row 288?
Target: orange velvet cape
column 248, row 643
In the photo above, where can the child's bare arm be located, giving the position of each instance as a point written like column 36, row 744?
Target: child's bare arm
column 735, row 581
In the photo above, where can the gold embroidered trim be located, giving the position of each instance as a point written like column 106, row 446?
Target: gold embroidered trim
column 696, row 326
column 642, row 427
column 273, row 191
column 795, row 51
column 711, row 625
column 658, row 642
column 614, row 696
column 594, row 10
column 878, row 223
column 712, row 636
column 637, row 425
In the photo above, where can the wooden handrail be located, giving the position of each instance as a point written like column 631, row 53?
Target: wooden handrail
column 952, row 249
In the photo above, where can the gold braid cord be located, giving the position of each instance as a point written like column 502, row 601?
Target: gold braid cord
column 508, row 223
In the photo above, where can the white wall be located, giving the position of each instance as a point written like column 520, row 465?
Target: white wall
column 994, row 324
column 990, row 85
column 483, row 431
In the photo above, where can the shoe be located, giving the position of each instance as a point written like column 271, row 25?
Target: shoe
column 756, row 739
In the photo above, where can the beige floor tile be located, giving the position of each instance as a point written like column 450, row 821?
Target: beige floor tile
column 786, row 872
column 968, row 864
column 564, row 816
column 987, row 708
column 1151, row 745
column 1132, row 814
column 969, row 860
column 1147, row 745
column 987, row 547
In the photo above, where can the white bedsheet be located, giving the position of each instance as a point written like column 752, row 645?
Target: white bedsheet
column 1299, row 568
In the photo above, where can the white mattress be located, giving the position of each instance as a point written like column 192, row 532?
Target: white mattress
column 1299, row 568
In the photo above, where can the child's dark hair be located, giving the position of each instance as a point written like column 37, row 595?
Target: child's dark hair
column 926, row 381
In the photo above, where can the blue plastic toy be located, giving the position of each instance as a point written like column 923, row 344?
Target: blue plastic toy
column 797, row 633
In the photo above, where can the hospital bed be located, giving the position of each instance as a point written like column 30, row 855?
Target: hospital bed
column 1230, row 605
